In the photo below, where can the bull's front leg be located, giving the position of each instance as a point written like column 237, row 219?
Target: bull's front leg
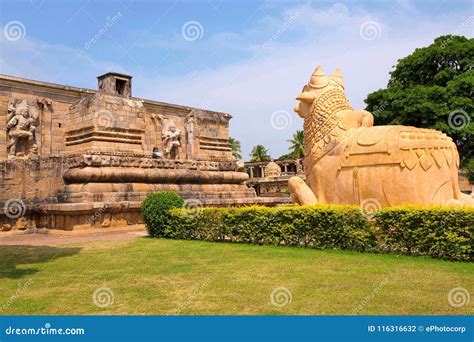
column 367, row 118
column 300, row 192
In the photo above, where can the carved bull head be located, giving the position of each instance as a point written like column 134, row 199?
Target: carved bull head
column 317, row 84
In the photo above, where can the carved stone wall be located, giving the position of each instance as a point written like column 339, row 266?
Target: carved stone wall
column 93, row 156
column 212, row 134
column 68, row 114
column 105, row 123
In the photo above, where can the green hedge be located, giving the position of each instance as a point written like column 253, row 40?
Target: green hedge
column 314, row 227
column 440, row 232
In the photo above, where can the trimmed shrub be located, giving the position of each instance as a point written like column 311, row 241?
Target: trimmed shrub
column 156, row 211
column 442, row 232
column 308, row 226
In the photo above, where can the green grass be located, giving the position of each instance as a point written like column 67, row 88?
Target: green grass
column 157, row 276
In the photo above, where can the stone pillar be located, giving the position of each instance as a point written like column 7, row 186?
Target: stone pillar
column 189, row 127
column 45, row 108
column 3, row 122
column 155, row 138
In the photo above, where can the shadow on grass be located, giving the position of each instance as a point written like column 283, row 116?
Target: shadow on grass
column 13, row 256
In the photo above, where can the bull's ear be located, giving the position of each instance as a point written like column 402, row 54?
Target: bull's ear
column 306, row 96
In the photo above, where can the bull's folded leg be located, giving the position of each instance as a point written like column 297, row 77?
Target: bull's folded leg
column 466, row 199
column 300, row 192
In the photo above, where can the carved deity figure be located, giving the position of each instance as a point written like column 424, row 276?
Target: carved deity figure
column 171, row 136
column 350, row 161
column 21, row 126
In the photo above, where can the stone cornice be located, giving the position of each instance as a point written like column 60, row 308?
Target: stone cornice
column 76, row 92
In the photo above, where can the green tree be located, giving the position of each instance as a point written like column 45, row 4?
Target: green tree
column 285, row 156
column 259, row 153
column 432, row 88
column 236, row 149
column 297, row 145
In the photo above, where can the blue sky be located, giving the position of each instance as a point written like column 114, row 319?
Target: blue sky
column 247, row 58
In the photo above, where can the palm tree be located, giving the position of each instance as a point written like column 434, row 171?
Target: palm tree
column 297, row 145
column 235, row 146
column 259, row 153
column 286, row 156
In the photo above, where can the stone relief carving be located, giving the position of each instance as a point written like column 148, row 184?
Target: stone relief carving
column 189, row 127
column 156, row 117
column 156, row 153
column 96, row 160
column 171, row 136
column 44, row 103
column 22, row 120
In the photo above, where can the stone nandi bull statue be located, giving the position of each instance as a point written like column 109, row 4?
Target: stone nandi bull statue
column 349, row 161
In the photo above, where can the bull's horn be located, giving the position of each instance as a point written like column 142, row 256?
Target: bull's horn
column 336, row 76
column 318, row 78
column 306, row 96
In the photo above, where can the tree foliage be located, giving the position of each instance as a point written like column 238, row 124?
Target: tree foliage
column 297, row 145
column 259, row 153
column 432, row 88
column 236, row 148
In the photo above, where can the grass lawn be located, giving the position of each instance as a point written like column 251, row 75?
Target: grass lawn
column 157, row 276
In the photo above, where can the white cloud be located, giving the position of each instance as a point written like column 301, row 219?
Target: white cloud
column 51, row 62
column 252, row 89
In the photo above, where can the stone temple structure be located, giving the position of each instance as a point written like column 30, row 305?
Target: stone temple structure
column 270, row 178
column 75, row 158
column 348, row 160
